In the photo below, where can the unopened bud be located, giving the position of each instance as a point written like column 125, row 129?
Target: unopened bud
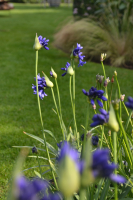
column 112, row 80
column 48, row 82
column 112, row 123
column 122, row 97
column 53, row 73
column 106, row 82
column 94, row 106
column 116, row 103
column 103, row 56
column 70, row 70
column 99, row 78
column 37, row 46
column 115, row 73
column 109, row 132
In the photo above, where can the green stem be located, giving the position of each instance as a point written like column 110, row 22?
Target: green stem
column 127, row 149
column 82, row 194
column 39, row 166
column 57, row 112
column 119, row 94
column 58, row 93
column 86, row 124
column 129, row 117
column 115, row 160
column 111, row 92
column 44, row 137
column 103, row 70
column 102, row 137
column 127, row 112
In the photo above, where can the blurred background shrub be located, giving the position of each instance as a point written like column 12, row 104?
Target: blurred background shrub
column 100, row 26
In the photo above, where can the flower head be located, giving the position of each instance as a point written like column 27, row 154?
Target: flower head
column 95, row 94
column 41, row 86
column 67, row 150
column 129, row 104
column 52, row 73
column 78, row 54
column 102, row 168
column 68, row 69
column 43, row 42
column 29, row 190
column 100, row 119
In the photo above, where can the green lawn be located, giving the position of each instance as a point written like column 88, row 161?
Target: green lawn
column 18, row 105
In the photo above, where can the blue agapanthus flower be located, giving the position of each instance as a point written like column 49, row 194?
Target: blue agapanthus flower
column 28, row 190
column 65, row 68
column 77, row 53
column 60, row 144
column 101, row 166
column 67, row 150
column 100, row 119
column 95, row 94
column 41, row 86
column 129, row 104
column 43, row 42
column 36, row 189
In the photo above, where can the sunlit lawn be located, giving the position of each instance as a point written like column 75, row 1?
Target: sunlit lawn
column 18, row 105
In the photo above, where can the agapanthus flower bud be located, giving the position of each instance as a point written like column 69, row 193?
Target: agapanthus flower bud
column 37, row 46
column 94, row 106
column 116, row 103
column 99, row 78
column 48, row 82
column 106, row 82
column 103, row 56
column 112, row 122
column 34, row 150
column 70, row 70
column 52, row 73
column 122, row 97
column 112, row 80
column 115, row 73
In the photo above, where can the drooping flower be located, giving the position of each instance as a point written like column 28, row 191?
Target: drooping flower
column 101, row 166
column 95, row 94
column 129, row 104
column 43, row 42
column 81, row 63
column 41, row 86
column 100, row 119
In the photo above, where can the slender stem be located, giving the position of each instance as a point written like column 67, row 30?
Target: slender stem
column 57, row 112
column 75, row 124
column 129, row 117
column 127, row 149
column 111, row 92
column 39, row 166
column 86, row 124
column 70, row 83
column 103, row 70
column 102, row 137
column 115, row 160
column 44, row 137
column 127, row 112
column 58, row 93
column 119, row 94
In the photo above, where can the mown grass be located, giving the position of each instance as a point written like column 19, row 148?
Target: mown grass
column 18, row 105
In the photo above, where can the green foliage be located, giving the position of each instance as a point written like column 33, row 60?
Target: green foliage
column 97, row 38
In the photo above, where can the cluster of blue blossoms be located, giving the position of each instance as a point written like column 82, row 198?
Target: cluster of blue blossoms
column 35, row 189
column 76, row 53
column 100, row 119
column 41, row 86
column 129, row 104
column 95, row 94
